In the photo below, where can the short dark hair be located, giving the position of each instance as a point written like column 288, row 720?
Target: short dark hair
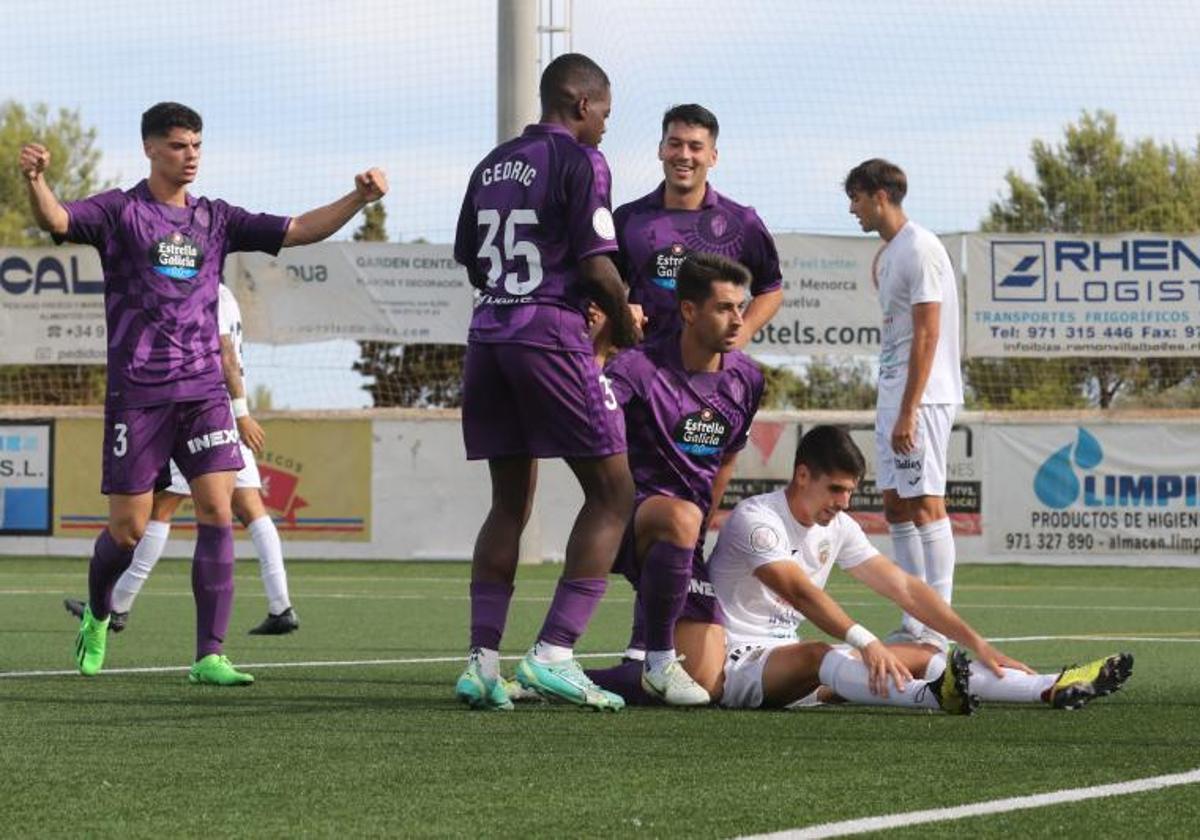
column 876, row 174
column 828, row 449
column 692, row 115
column 567, row 78
column 699, row 271
column 161, row 118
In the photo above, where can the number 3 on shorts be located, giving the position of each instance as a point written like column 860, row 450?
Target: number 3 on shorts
column 610, row 399
column 120, row 440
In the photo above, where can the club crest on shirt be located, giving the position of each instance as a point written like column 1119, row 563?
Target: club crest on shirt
column 764, row 539
column 716, row 228
column 176, row 256
column 703, row 432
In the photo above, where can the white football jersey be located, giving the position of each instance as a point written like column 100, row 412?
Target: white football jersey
column 229, row 322
column 762, row 530
column 915, row 268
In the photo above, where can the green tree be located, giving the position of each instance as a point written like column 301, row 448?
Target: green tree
column 822, row 384
column 374, row 225
column 1093, row 182
column 73, row 173
column 74, row 165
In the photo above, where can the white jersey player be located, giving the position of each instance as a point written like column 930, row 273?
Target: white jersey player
column 247, row 501
column 769, row 569
column 920, row 380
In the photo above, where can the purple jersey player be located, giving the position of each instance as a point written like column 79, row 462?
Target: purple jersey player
column 162, row 251
column 689, row 398
column 536, row 237
column 685, row 215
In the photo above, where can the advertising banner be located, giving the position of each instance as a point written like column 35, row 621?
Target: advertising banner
column 830, row 306
column 26, row 477
column 51, row 306
column 766, row 465
column 316, row 480
column 1093, row 489
column 1078, row 295
column 415, row 294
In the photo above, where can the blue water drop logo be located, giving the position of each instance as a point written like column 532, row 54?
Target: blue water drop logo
column 1056, row 484
column 1087, row 450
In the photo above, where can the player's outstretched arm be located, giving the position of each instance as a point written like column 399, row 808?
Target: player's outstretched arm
column 323, row 222
column 49, row 214
column 918, row 599
column 789, row 582
column 759, row 312
column 249, row 430
column 603, row 285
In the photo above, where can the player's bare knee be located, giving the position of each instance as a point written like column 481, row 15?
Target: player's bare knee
column 927, row 509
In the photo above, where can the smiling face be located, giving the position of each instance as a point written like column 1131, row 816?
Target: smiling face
column 687, row 153
column 175, row 156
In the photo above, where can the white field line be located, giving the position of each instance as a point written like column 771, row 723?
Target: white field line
column 621, row 599
column 995, row 806
column 324, row 663
column 437, row 660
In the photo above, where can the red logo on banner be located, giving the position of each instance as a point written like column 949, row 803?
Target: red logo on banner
column 279, row 492
column 765, row 437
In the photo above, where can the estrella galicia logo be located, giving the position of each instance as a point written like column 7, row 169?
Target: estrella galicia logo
column 176, row 256
column 664, row 266
column 703, row 432
column 1018, row 271
column 1056, row 483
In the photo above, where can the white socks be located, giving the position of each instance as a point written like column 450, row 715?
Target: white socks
column 548, row 654
column 849, row 678
column 909, row 556
column 270, row 563
column 658, row 660
column 937, row 540
column 489, row 662
column 1016, row 687
column 147, row 553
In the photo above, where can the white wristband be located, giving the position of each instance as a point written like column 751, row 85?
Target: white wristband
column 859, row 637
column 240, row 407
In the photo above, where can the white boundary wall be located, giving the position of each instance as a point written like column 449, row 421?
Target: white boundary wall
column 427, row 501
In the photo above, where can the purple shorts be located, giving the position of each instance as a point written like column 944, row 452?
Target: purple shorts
column 521, row 401
column 139, row 442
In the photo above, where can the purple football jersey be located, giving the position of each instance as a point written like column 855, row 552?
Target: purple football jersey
column 162, row 267
column 679, row 425
column 654, row 240
column 534, row 208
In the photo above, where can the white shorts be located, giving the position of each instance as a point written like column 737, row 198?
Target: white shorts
column 247, row 476
column 921, row 472
column 744, row 664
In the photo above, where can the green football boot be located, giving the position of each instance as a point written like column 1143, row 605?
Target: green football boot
column 1080, row 684
column 566, row 681
column 953, row 687
column 480, row 692
column 216, row 669
column 90, row 643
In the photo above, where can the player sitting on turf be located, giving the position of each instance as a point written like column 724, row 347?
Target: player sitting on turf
column 769, row 569
column 247, row 503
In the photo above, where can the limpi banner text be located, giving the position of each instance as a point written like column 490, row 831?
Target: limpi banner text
column 1126, row 489
column 1133, row 294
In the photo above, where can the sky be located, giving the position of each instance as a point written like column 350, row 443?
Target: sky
column 297, row 96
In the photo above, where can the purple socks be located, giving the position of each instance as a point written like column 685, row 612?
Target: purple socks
column 212, row 586
column 109, row 560
column 489, row 612
column 571, row 610
column 662, row 592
